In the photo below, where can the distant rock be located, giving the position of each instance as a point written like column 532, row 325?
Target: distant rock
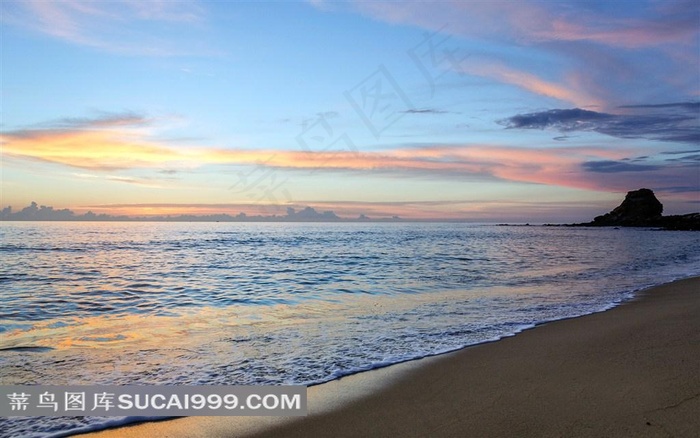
column 685, row 222
column 641, row 209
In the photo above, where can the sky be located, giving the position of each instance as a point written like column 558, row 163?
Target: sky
column 527, row 111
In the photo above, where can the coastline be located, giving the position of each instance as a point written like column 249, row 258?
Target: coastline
column 625, row 371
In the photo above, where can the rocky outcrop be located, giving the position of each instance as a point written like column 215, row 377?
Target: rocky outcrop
column 685, row 222
column 641, row 209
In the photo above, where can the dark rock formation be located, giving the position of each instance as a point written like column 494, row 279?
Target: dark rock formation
column 641, row 209
column 685, row 222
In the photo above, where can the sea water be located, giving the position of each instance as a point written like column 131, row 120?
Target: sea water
column 86, row 303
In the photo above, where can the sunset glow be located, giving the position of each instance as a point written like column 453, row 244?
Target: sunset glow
column 481, row 111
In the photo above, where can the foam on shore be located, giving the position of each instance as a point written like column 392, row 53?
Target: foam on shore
column 628, row 371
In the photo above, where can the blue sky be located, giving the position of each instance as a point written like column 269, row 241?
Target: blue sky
column 486, row 111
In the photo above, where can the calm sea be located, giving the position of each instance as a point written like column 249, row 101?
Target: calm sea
column 229, row 303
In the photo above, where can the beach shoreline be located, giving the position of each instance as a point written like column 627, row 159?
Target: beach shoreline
column 627, row 371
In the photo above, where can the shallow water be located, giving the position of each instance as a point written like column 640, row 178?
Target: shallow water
column 215, row 303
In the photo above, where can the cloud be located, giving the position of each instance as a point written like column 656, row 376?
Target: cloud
column 109, row 145
column 693, row 151
column 681, row 189
column 94, row 150
column 674, row 126
column 444, row 209
column 531, row 82
column 109, row 121
column 114, row 26
column 36, row 212
column 687, row 157
column 617, row 166
column 108, row 142
column 689, row 106
column 658, row 25
column 532, row 21
column 102, row 121
column 424, row 111
column 131, row 180
column 110, row 150
column 84, row 175
column 587, row 53
column 505, row 209
column 168, row 212
column 576, row 119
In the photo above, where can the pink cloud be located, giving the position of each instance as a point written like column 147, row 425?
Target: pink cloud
column 572, row 92
column 596, row 51
column 107, row 25
column 533, row 21
column 110, row 150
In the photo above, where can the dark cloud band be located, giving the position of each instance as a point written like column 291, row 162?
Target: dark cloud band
column 674, row 122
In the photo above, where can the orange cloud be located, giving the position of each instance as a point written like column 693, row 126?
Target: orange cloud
column 99, row 150
column 112, row 150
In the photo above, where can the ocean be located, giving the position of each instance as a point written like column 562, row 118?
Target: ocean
column 292, row 303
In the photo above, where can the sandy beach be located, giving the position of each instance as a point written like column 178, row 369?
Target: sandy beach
column 630, row 371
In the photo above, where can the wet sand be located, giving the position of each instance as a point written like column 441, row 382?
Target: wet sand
column 630, row 371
